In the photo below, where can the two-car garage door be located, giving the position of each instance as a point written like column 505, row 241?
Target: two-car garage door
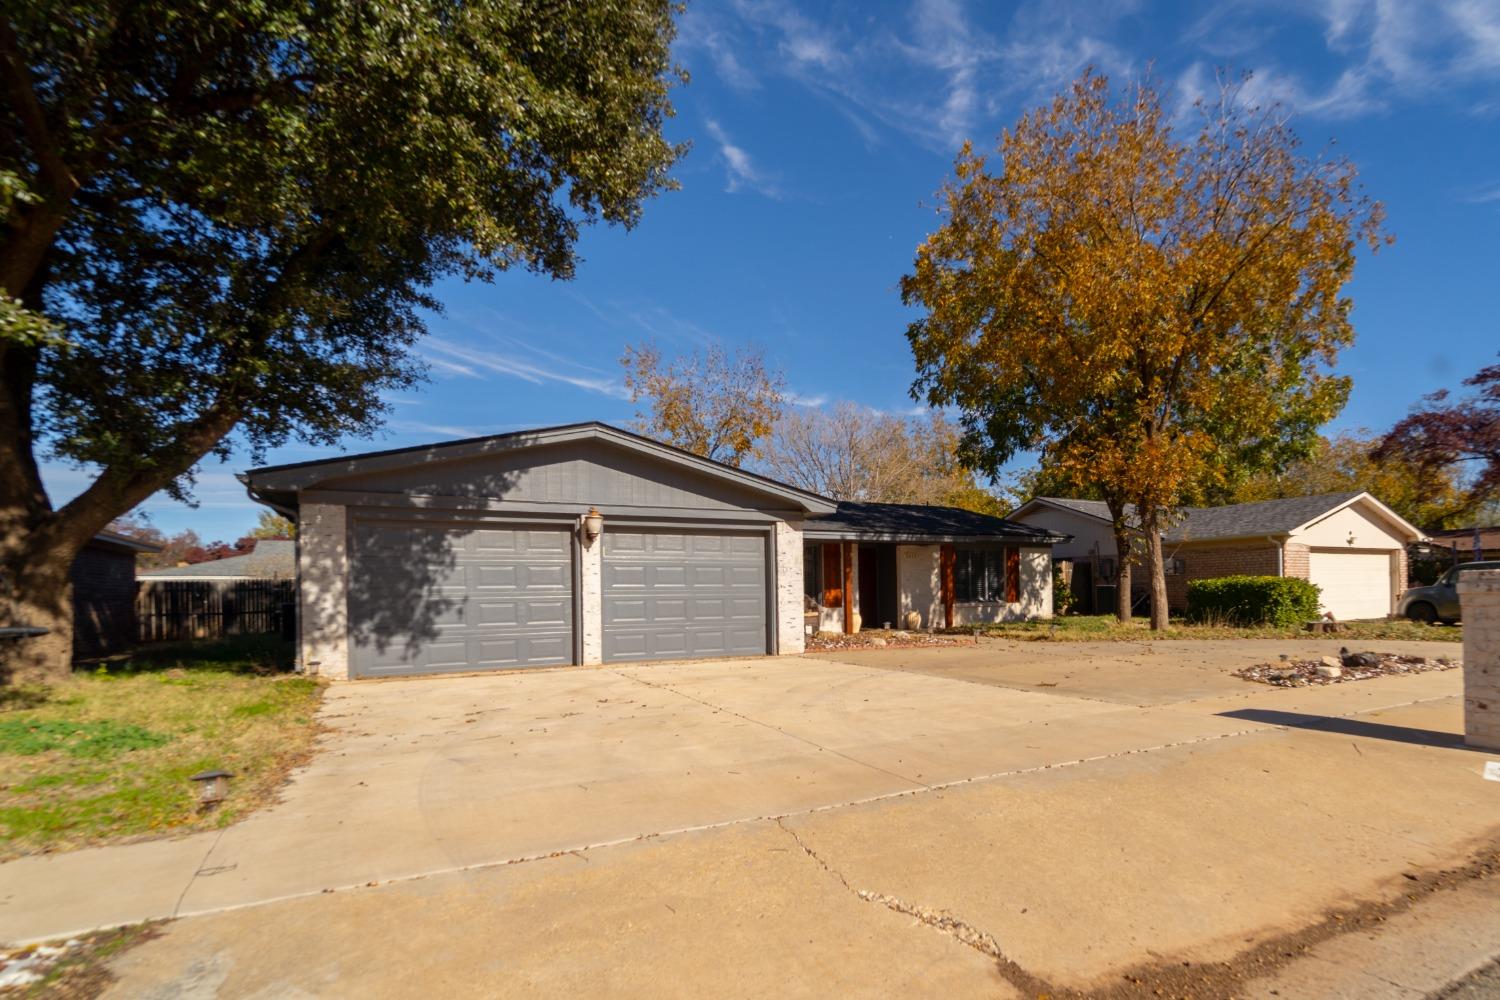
column 444, row 598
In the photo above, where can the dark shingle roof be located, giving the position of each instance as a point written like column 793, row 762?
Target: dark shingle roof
column 1240, row 520
column 910, row 519
column 1264, row 517
column 273, row 559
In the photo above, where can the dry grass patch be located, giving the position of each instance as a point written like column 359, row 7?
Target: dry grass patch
column 108, row 755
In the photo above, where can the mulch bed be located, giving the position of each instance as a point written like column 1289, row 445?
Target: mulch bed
column 1345, row 667
column 876, row 638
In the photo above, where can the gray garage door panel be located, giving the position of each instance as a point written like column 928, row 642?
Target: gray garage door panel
column 683, row 594
column 433, row 599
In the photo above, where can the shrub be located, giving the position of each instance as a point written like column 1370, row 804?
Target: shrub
column 1253, row 600
column 1063, row 597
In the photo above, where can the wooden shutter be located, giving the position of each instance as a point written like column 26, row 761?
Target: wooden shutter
column 1012, row 574
column 833, row 577
column 946, row 566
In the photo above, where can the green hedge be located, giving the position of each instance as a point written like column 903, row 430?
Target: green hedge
column 1253, row 600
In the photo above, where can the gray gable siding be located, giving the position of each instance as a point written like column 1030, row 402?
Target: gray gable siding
column 578, row 472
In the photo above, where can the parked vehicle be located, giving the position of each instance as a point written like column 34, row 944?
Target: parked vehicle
column 1439, row 602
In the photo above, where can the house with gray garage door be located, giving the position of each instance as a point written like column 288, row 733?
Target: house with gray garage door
column 587, row 544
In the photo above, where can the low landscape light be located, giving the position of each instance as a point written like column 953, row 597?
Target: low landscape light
column 213, row 787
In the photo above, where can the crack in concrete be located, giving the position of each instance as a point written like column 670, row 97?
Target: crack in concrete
column 941, row 921
column 776, row 729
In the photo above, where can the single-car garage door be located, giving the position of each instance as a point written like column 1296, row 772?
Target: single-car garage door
column 433, row 599
column 1354, row 584
column 670, row 594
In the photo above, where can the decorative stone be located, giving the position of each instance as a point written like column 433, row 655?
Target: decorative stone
column 1329, row 673
column 1332, row 661
column 877, row 641
column 913, row 620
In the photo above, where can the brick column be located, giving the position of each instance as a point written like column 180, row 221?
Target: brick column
column 323, row 581
column 1479, row 596
column 787, row 542
column 591, row 588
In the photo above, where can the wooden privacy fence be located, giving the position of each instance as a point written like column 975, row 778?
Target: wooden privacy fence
column 210, row 609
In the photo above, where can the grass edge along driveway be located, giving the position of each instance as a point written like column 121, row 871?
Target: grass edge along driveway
column 107, row 756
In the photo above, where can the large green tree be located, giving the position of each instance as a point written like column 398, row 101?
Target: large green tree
column 1152, row 305
column 226, row 216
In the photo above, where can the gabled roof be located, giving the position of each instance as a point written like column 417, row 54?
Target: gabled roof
column 1262, row 517
column 123, row 543
column 281, row 482
column 1242, row 520
column 918, row 522
column 273, row 559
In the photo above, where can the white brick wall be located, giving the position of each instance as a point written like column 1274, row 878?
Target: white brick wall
column 323, row 601
column 591, row 590
column 787, row 542
column 918, row 570
column 1479, row 596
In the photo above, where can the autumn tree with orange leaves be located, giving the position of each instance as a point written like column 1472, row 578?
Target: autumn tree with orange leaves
column 1155, row 306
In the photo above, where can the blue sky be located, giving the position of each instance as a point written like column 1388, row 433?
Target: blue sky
column 820, row 133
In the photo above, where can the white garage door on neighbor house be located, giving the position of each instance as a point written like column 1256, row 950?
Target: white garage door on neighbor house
column 1354, row 585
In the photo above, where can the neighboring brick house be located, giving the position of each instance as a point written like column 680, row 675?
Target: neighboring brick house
column 103, row 577
column 1350, row 544
column 1466, row 544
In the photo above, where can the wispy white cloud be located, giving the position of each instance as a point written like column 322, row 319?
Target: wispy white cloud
column 700, row 30
column 510, row 359
column 810, row 402
column 448, row 367
column 1383, row 51
column 441, row 430
column 659, row 321
column 1485, row 196
column 741, row 169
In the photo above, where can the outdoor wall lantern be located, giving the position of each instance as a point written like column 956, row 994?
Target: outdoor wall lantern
column 593, row 524
column 213, row 787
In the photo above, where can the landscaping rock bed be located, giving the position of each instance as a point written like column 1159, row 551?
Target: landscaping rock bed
column 876, row 638
column 1346, row 666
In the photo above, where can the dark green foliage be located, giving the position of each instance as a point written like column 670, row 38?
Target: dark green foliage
column 1252, row 600
column 266, row 189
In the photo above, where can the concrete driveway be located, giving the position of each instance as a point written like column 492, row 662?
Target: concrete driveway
column 813, row 825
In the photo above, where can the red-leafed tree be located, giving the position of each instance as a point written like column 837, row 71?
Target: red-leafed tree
column 1441, row 436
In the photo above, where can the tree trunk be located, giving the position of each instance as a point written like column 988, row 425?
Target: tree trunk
column 1124, row 556
column 1151, row 527
column 40, row 595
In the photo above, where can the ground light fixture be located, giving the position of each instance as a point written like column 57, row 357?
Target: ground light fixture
column 213, row 787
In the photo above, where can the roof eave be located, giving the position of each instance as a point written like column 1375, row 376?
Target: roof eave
column 281, row 482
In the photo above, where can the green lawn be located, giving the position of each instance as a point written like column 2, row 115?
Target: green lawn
column 107, row 755
column 1084, row 628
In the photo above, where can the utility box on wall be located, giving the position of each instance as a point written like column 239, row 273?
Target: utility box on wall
column 1479, row 597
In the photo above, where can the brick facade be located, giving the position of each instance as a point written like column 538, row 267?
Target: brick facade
column 1479, row 594
column 1296, row 561
column 1205, row 562
column 103, row 601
